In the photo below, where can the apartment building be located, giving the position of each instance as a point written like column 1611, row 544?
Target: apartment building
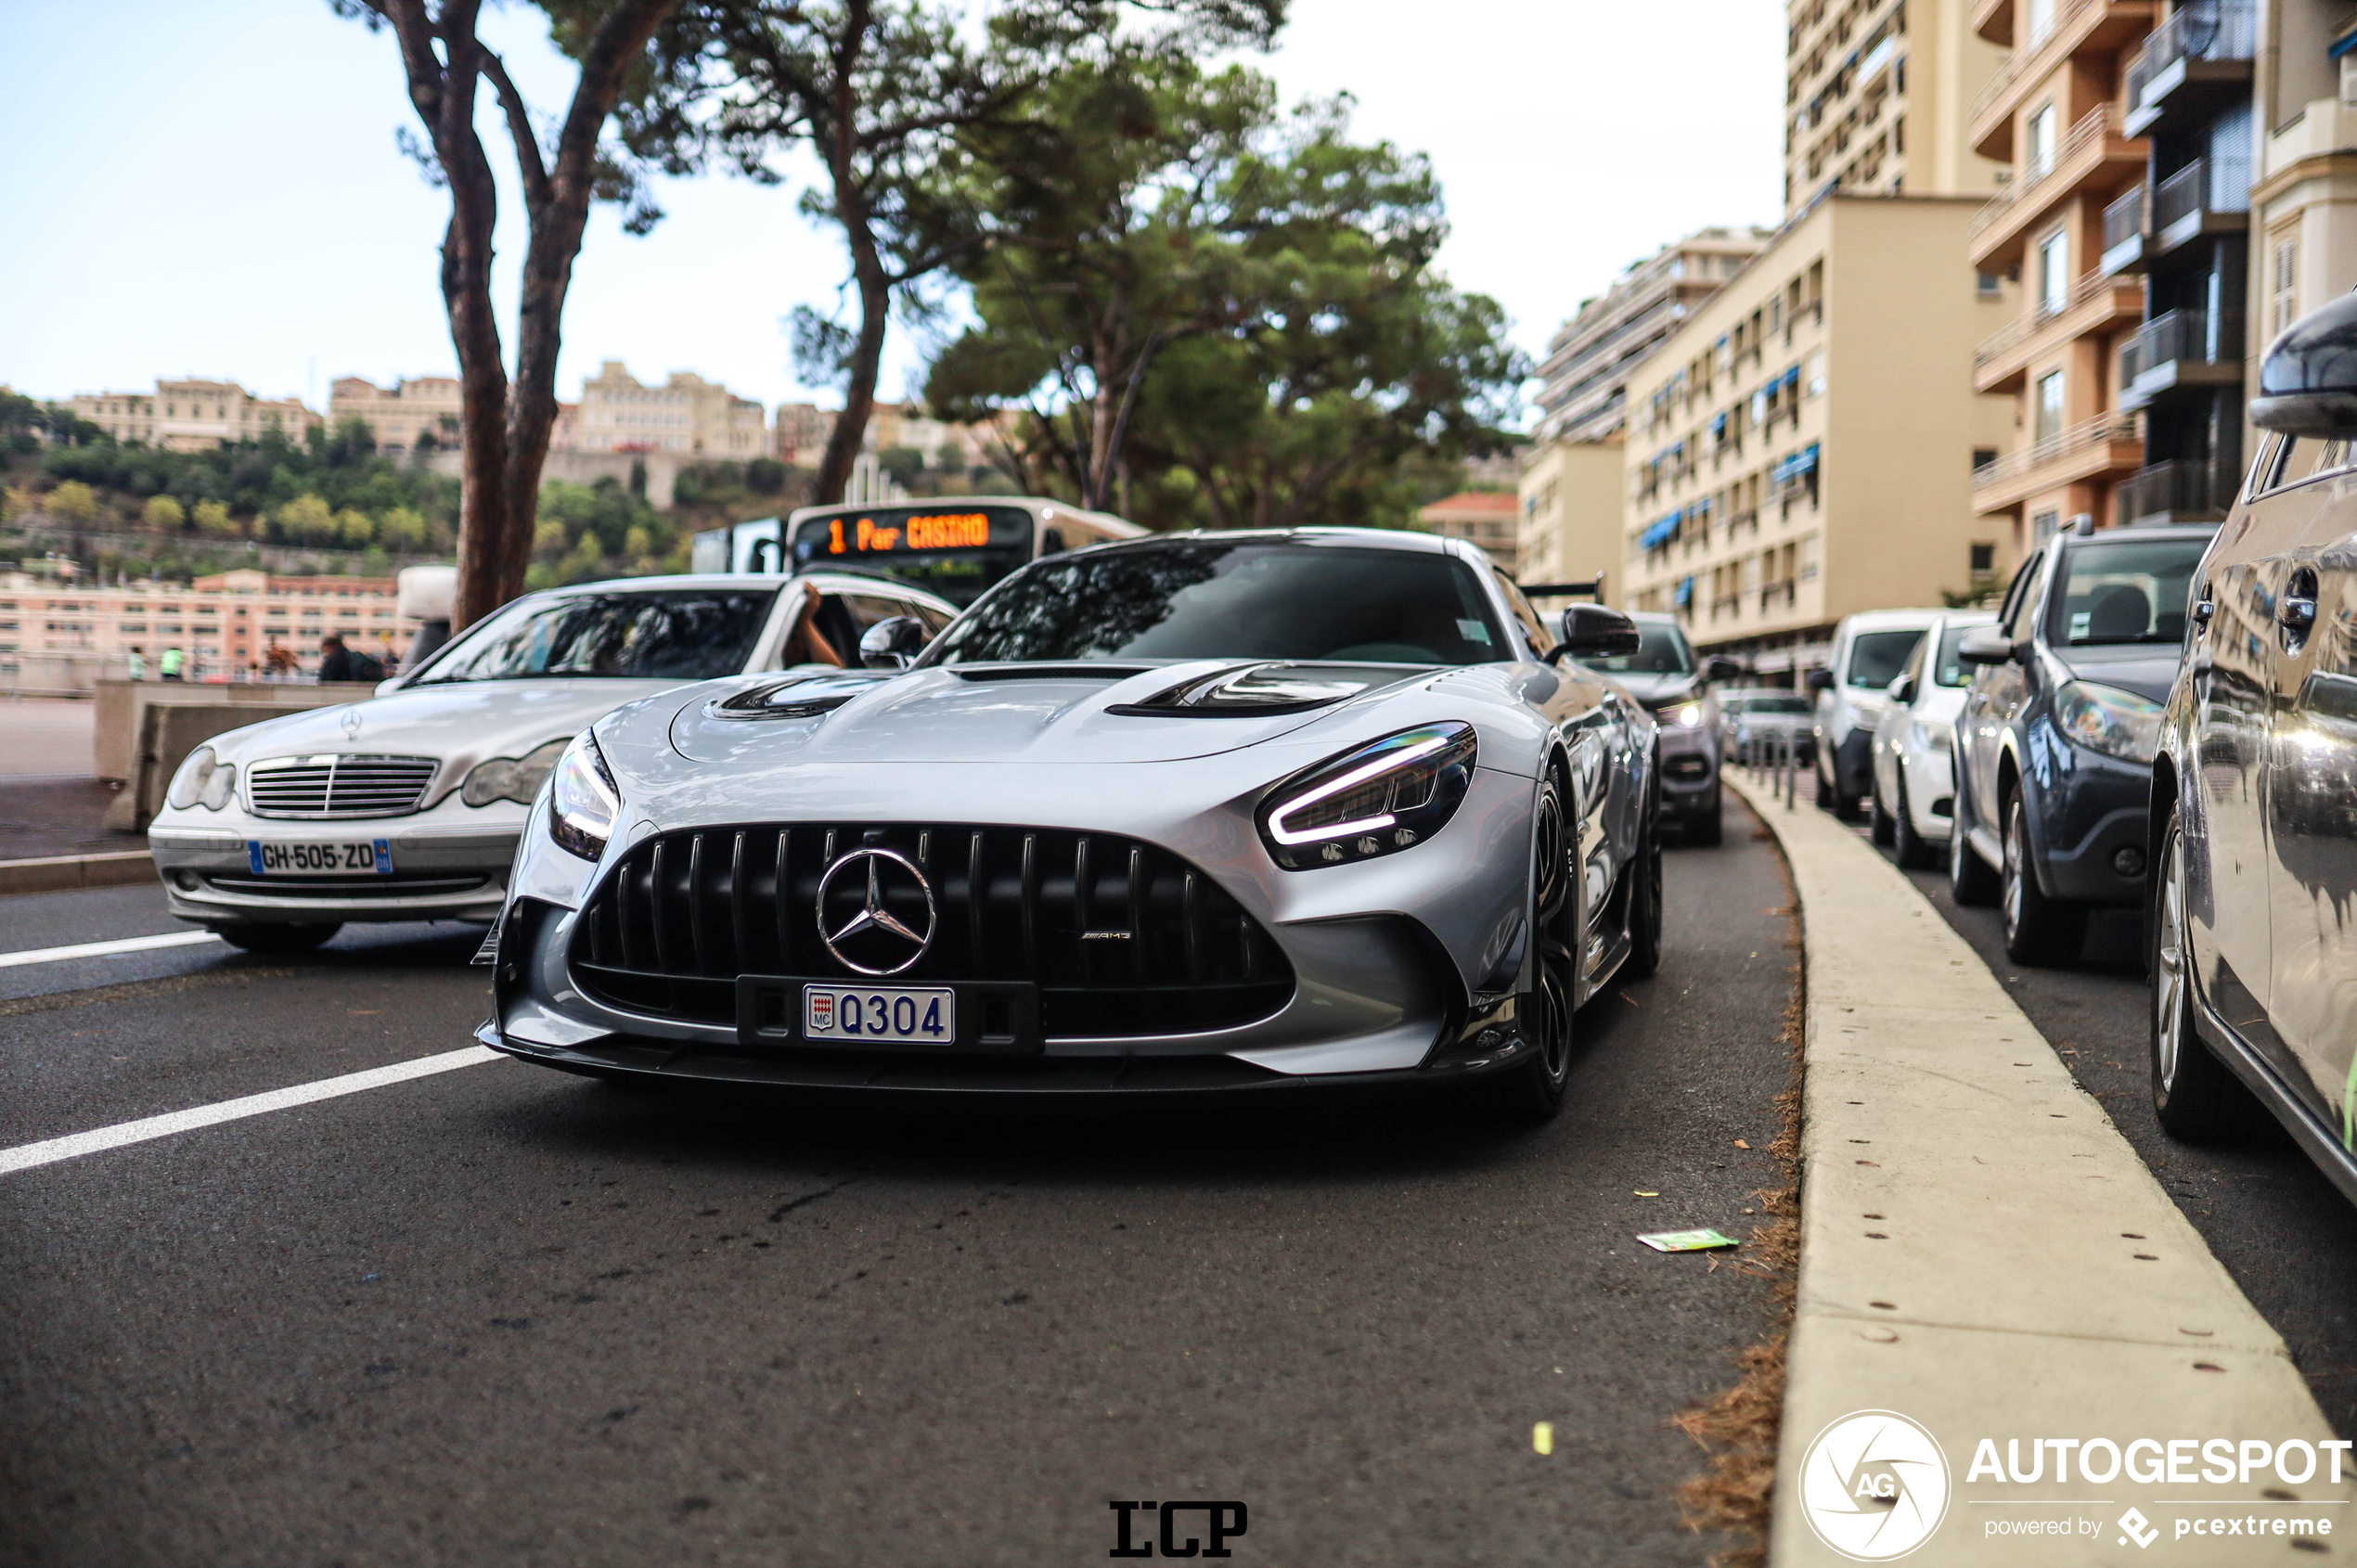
column 1804, row 446
column 1568, row 530
column 802, row 430
column 1489, row 520
column 192, row 415
column 1584, row 377
column 401, row 413
column 225, row 623
column 2304, row 201
column 2076, row 169
column 1875, row 94
column 686, row 414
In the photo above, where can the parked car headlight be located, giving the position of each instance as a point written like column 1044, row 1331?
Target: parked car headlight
column 583, row 801
column 512, row 778
column 204, row 780
column 2104, row 718
column 1380, row 799
column 1685, row 715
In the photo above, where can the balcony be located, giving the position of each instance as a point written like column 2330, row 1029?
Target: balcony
column 2091, row 26
column 2098, row 305
column 2100, row 449
column 2181, row 489
column 2208, row 196
column 2093, row 157
column 2124, row 234
column 2198, row 57
column 2181, row 350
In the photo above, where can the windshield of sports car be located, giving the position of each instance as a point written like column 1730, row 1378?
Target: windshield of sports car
column 682, row 633
column 2132, row 591
column 1206, row 598
column 1661, row 650
column 1876, row 658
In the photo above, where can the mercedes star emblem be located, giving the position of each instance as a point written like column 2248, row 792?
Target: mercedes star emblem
column 352, row 723
column 875, row 930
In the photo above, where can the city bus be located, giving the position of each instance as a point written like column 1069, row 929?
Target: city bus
column 955, row 546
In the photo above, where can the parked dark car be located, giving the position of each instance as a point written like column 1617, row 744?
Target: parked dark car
column 2254, row 793
column 1675, row 686
column 2054, row 744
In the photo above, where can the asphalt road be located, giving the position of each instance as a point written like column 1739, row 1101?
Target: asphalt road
column 499, row 1315
column 2284, row 1233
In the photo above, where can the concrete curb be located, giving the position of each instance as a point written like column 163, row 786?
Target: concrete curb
column 1982, row 1251
column 63, row 873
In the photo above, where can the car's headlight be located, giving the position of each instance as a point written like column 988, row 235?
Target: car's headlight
column 2104, row 718
column 1380, row 799
column 583, row 801
column 512, row 778
column 204, row 780
column 1685, row 715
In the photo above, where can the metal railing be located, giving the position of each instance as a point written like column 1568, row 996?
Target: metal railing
column 2091, row 128
column 2177, row 486
column 2098, row 431
column 2026, row 52
column 2087, row 285
column 2201, row 29
column 2181, row 336
column 2124, row 219
column 2206, row 185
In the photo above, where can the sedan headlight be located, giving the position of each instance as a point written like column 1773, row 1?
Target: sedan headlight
column 583, row 801
column 204, row 780
column 2104, row 718
column 1684, row 715
column 512, row 778
column 1378, row 800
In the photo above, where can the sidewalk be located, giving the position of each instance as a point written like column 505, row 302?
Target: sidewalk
column 45, row 736
column 50, row 803
column 1984, row 1254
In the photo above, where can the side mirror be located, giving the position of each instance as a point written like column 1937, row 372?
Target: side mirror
column 1987, row 645
column 1902, row 690
column 1721, row 668
column 1595, row 631
column 1820, row 680
column 892, row 642
column 2308, row 380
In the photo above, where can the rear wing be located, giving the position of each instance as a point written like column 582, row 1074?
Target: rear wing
column 1594, row 588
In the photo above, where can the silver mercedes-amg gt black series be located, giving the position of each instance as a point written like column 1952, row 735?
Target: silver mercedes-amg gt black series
column 1211, row 811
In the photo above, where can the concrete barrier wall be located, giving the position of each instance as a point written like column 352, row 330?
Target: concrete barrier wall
column 122, row 704
column 168, row 732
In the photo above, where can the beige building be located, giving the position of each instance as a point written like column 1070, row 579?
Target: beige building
column 399, row 415
column 687, row 414
column 1804, row 448
column 223, row 623
column 801, row 433
column 1585, row 375
column 2304, row 203
column 193, row 416
column 1876, row 96
column 1568, row 529
column 1491, row 519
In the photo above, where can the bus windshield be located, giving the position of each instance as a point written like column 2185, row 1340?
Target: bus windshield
column 956, row 552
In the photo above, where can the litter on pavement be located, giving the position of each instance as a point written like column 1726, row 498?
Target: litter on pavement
column 1688, row 1240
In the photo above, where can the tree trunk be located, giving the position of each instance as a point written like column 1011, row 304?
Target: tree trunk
column 839, row 138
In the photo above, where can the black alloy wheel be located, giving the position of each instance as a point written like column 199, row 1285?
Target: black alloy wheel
column 1907, row 845
column 1533, row 1092
column 2039, row 929
column 2196, row 1097
column 257, row 936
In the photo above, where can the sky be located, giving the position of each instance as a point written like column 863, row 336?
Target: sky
column 214, row 190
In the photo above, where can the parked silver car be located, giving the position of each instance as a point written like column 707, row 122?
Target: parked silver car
column 1234, row 810
column 1761, row 720
column 409, row 806
column 1914, row 785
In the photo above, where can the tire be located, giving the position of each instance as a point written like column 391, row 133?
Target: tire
column 1907, row 845
column 2196, row 1097
column 1703, row 826
column 258, row 937
column 2039, row 929
column 1878, row 820
column 1533, row 1092
column 1971, row 882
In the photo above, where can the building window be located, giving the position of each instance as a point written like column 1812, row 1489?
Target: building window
column 2041, row 149
column 2043, row 526
column 2053, row 273
column 1988, row 285
column 2283, row 291
column 1982, row 457
column 2050, row 406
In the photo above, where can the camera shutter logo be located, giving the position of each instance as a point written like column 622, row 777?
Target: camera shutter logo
column 874, row 930
column 1874, row 1485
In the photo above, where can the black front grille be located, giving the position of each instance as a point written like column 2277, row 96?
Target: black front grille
column 1121, row 939
column 396, row 886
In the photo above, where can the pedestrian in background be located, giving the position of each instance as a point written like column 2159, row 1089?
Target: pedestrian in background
column 169, row 666
column 139, row 663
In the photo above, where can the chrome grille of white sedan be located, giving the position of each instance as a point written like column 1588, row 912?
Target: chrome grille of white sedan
column 334, row 785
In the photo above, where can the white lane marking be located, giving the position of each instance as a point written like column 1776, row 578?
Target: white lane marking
column 24, row 1156
column 105, row 949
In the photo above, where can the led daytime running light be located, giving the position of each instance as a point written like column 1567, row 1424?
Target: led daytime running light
column 1277, row 830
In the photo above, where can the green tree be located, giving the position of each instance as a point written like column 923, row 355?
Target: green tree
column 212, row 517
column 72, row 502
column 163, row 511
column 402, row 529
column 354, row 528
column 306, row 519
